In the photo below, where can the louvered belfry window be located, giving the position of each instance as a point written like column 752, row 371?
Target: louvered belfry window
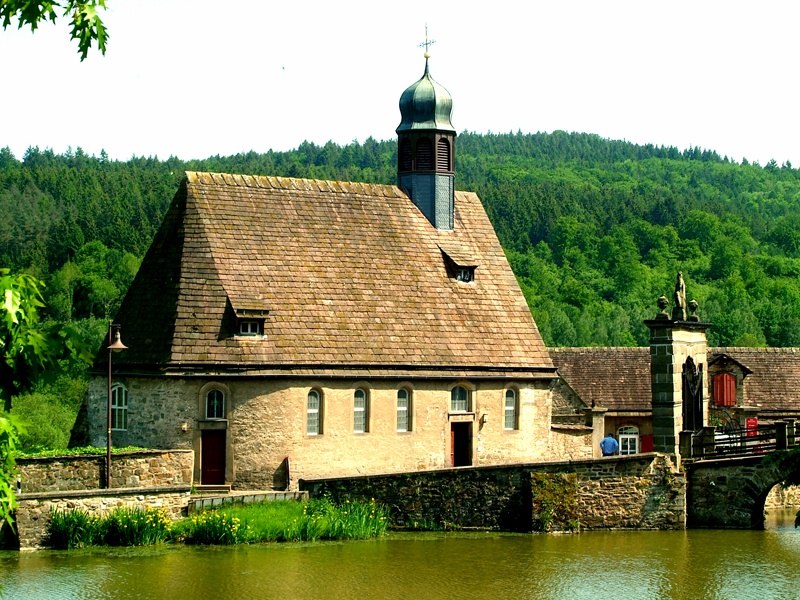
column 725, row 389
column 424, row 155
column 405, row 155
column 443, row 155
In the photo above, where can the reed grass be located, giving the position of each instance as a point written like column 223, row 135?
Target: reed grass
column 119, row 527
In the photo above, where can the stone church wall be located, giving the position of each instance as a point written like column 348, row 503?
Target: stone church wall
column 266, row 424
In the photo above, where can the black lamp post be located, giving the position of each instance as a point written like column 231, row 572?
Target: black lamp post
column 114, row 346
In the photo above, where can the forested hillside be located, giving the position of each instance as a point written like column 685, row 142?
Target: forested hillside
column 595, row 229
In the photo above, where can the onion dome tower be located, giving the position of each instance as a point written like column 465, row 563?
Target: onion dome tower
column 425, row 152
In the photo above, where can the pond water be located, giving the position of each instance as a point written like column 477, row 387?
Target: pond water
column 710, row 564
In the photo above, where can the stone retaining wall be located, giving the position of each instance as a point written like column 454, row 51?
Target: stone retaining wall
column 642, row 491
column 145, row 469
column 34, row 510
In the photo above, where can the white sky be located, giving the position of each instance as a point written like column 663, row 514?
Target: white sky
column 195, row 78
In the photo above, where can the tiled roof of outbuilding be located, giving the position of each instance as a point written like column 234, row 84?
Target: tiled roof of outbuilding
column 352, row 274
column 615, row 378
column 619, row 378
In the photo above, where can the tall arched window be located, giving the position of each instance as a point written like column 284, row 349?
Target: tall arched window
column 424, row 155
column 314, row 413
column 459, row 399
column 628, row 440
column 215, row 404
column 442, row 155
column 360, row 411
column 511, row 413
column 403, row 410
column 119, row 407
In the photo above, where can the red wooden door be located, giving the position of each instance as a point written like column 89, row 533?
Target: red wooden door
column 212, row 465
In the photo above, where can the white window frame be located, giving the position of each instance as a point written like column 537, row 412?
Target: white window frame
column 628, row 437
column 403, row 410
column 360, row 411
column 119, row 407
column 510, row 411
column 314, row 413
column 249, row 327
column 459, row 404
column 221, row 404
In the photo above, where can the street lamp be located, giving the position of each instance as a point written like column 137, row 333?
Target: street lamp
column 116, row 346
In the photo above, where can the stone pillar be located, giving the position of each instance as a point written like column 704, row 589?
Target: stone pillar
column 671, row 343
column 596, row 419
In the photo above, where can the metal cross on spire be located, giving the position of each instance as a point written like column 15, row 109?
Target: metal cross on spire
column 427, row 43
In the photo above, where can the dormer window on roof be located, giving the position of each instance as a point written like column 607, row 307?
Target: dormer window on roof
column 460, row 262
column 250, row 321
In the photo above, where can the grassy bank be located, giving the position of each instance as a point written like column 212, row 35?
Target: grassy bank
column 277, row 521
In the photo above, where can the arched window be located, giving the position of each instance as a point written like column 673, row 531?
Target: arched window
column 314, row 413
column 725, row 389
column 404, row 155
column 443, row 155
column 360, row 411
column 119, row 407
column 424, row 155
column 403, row 410
column 215, row 404
column 459, row 399
column 628, row 440
column 511, row 414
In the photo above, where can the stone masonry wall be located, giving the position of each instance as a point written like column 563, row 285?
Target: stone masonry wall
column 33, row 513
column 642, row 491
column 145, row 469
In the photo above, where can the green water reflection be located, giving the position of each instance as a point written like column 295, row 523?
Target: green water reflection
column 649, row 564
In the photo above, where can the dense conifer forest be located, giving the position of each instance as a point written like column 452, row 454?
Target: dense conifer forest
column 594, row 229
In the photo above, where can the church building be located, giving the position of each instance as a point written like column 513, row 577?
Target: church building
column 290, row 328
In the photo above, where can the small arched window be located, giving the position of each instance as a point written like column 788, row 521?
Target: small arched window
column 459, row 399
column 511, row 412
column 314, row 413
column 360, row 411
column 403, row 410
column 628, row 440
column 424, row 155
column 119, row 407
column 215, row 404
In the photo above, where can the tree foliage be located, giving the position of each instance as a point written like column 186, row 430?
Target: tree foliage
column 87, row 27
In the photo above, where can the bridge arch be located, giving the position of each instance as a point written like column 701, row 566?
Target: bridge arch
column 731, row 492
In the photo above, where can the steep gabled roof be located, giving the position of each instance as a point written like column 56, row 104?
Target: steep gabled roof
column 774, row 378
column 352, row 276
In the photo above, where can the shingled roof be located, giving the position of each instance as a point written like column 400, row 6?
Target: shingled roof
column 352, row 275
column 615, row 378
column 619, row 378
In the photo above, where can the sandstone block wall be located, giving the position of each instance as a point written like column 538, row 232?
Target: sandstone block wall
column 644, row 491
column 266, row 423
column 146, row 469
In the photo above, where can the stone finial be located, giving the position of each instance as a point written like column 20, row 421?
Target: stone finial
column 692, row 310
column 663, row 303
column 679, row 309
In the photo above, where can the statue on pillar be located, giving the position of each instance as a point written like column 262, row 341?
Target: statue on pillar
column 679, row 309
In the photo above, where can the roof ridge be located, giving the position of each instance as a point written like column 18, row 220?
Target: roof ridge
column 292, row 183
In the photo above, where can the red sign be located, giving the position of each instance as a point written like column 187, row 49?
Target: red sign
column 751, row 425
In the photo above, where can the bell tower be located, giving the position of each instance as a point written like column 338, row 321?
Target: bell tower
column 425, row 148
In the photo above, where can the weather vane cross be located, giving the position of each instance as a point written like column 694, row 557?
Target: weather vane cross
column 427, row 43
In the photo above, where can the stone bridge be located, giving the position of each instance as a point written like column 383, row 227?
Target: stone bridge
column 730, row 492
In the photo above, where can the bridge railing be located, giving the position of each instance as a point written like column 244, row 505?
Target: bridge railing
column 709, row 442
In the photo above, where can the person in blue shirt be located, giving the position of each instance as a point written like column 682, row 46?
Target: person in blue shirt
column 609, row 445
